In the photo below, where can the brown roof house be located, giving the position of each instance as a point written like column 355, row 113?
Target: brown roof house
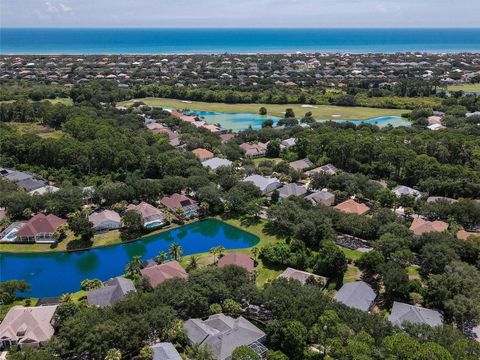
column 203, row 154
column 301, row 164
column 350, row 206
column 105, row 220
column 238, row 259
column 40, row 229
column 27, row 326
column 327, row 169
column 152, row 217
column 157, row 274
column 420, row 226
column 179, row 201
column 464, row 235
column 254, row 149
column 323, row 197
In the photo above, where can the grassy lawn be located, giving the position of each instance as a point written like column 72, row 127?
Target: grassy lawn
column 352, row 274
column 257, row 161
column 465, row 87
column 320, row 112
column 36, row 129
column 66, row 101
column 351, row 254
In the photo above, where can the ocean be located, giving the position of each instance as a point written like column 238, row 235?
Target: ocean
column 210, row 41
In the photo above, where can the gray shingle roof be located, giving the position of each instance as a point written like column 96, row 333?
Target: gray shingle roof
column 215, row 163
column 358, row 295
column 402, row 190
column 265, row 184
column 292, row 190
column 114, row 290
column 222, row 333
column 402, row 313
column 165, row 351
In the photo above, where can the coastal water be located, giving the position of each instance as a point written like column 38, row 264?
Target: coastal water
column 53, row 274
column 164, row 41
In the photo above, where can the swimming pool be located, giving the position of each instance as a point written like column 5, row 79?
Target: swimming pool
column 154, row 224
column 53, row 274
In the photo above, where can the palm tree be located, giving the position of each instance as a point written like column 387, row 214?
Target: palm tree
column 113, row 354
column 161, row 257
column 214, row 252
column 193, row 263
column 66, row 298
column 220, row 250
column 199, row 352
column 132, row 269
column 255, row 253
column 175, row 251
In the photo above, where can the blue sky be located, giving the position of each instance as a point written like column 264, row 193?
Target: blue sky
column 239, row 13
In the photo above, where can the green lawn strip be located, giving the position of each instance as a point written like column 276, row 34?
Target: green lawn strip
column 352, row 274
column 257, row 161
column 351, row 254
column 320, row 112
column 465, row 87
column 36, row 129
column 65, row 101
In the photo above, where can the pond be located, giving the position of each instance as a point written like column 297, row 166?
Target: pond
column 56, row 273
column 241, row 121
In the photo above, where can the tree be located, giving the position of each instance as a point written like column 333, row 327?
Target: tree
column 267, row 124
column 232, row 307
column 80, row 225
column 370, row 263
column 193, row 262
column 61, row 232
column 175, row 251
column 289, row 114
column 161, row 257
column 255, row 252
column 132, row 225
column 214, row 252
column 273, row 149
column 215, row 309
column 10, row 288
column 66, row 298
column 401, row 346
column 262, row 110
column 244, row 353
column 88, row 285
column 205, row 206
column 113, row 354
column 132, row 269
column 331, row 261
column 395, row 279
column 146, row 353
column 200, row 352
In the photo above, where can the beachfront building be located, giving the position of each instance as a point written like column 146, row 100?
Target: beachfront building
column 105, row 220
column 157, row 274
column 264, row 184
column 40, row 229
column 176, row 201
column 152, row 217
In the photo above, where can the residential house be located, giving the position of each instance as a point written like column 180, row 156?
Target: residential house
column 436, row 127
column 226, row 137
column 152, row 217
column 350, row 206
column 113, row 290
column 22, row 179
column 321, row 198
column 40, row 229
column 326, row 169
column 301, row 164
column 420, row 226
column 357, row 295
column 8, row 235
column 105, row 220
column 291, row 189
column 215, row 163
column 434, row 199
column 165, row 351
column 157, row 274
column 265, row 184
column 202, row 154
column 27, row 326
column 406, row 313
column 402, row 190
column 287, row 143
column 464, row 235
column 302, row 276
column 254, row 149
column 177, row 201
column 223, row 334
column 44, row 190
column 238, row 259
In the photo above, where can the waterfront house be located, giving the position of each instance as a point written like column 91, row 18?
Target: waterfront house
column 326, row 169
column 177, row 201
column 152, row 217
column 301, row 164
column 264, row 184
column 321, row 198
column 27, row 326
column 238, row 259
column 113, row 290
column 302, row 276
column 420, row 226
column 165, row 351
column 357, row 295
column 215, row 163
column 40, row 229
column 157, row 274
column 202, row 154
column 223, row 334
column 291, row 189
column 105, row 220
column 350, row 206
column 406, row 313
column 402, row 190
column 254, row 149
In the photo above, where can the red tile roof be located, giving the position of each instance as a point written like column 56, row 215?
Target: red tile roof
column 159, row 273
column 420, row 226
column 238, row 259
column 464, row 235
column 175, row 201
column 40, row 224
column 350, row 206
column 202, row 154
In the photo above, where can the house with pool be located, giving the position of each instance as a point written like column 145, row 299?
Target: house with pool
column 152, row 217
column 176, row 201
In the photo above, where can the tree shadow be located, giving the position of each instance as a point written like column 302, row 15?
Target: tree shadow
column 79, row 244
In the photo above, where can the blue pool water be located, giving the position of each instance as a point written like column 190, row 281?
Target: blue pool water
column 153, row 224
column 152, row 41
column 53, row 274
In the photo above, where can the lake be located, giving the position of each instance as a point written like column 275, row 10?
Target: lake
column 240, row 121
column 56, row 273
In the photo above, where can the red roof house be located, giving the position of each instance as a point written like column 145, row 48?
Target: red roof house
column 238, row 259
column 40, row 229
column 350, row 206
column 159, row 273
column 179, row 201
